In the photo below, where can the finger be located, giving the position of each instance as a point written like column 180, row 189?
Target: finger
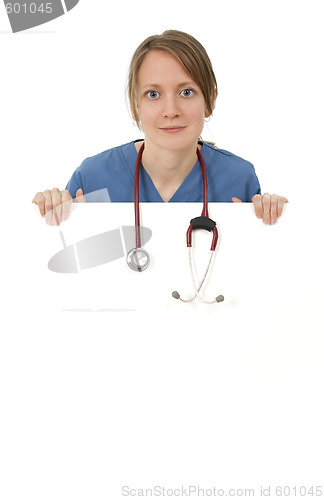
column 281, row 202
column 48, row 207
column 66, row 204
column 266, row 203
column 39, row 200
column 236, row 200
column 79, row 197
column 57, row 206
column 274, row 208
column 258, row 207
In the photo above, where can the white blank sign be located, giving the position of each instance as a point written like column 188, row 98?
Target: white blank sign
column 111, row 386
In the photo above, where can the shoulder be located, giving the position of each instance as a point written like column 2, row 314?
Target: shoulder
column 112, row 169
column 230, row 175
column 225, row 159
column 114, row 156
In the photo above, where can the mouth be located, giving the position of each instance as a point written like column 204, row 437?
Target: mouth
column 172, row 130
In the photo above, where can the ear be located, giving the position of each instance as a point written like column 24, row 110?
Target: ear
column 212, row 102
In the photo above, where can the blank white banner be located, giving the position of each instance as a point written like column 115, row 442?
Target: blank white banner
column 112, row 388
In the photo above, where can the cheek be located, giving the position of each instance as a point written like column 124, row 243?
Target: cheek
column 147, row 114
column 199, row 111
column 197, row 118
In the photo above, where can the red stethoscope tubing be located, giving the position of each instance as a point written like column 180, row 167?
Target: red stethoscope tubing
column 136, row 196
column 204, row 213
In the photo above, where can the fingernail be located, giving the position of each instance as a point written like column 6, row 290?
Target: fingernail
column 273, row 221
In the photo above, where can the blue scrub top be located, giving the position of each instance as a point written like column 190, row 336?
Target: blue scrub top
column 228, row 176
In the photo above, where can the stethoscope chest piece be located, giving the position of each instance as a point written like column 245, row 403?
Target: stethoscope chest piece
column 138, row 259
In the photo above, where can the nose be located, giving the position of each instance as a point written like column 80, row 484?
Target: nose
column 170, row 108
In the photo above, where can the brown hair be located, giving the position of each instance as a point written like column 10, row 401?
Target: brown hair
column 191, row 55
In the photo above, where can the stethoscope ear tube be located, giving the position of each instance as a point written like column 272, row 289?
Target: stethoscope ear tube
column 197, row 289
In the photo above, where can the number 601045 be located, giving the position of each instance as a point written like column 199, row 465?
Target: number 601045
column 32, row 8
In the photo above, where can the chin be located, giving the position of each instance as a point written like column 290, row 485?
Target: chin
column 174, row 142
column 181, row 145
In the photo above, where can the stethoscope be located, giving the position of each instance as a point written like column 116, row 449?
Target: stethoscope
column 138, row 259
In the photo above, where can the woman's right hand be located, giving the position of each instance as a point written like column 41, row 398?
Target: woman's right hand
column 55, row 205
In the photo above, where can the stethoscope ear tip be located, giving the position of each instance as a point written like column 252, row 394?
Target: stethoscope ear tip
column 220, row 298
column 176, row 295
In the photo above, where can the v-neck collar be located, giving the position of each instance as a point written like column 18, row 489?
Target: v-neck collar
column 148, row 191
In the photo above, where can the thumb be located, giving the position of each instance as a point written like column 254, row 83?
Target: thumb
column 236, row 200
column 79, row 198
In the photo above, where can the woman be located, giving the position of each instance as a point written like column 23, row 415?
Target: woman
column 172, row 90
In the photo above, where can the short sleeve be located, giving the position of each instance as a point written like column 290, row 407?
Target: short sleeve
column 256, row 188
column 75, row 183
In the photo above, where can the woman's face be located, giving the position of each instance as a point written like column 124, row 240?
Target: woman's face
column 171, row 106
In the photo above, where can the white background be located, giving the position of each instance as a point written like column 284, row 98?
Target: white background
column 159, row 422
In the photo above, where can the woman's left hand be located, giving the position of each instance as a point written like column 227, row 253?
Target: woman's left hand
column 267, row 207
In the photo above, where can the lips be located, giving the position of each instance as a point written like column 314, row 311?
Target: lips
column 173, row 129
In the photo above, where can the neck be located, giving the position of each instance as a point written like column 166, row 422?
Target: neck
column 168, row 168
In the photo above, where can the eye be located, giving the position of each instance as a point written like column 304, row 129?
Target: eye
column 153, row 94
column 187, row 92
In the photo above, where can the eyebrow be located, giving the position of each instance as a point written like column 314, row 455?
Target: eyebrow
column 157, row 85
